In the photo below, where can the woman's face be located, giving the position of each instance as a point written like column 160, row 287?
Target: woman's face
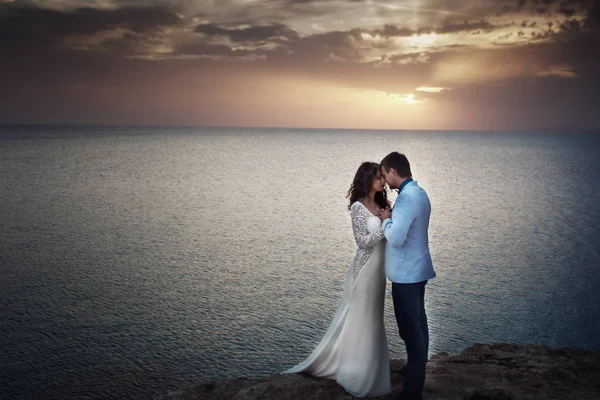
column 378, row 183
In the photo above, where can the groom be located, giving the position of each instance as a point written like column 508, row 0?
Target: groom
column 408, row 265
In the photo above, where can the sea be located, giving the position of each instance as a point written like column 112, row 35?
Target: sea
column 137, row 261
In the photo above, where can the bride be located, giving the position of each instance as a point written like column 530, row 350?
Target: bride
column 354, row 349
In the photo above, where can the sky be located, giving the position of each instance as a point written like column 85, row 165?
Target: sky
column 348, row 64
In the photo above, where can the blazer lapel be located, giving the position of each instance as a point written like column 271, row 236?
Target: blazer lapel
column 412, row 183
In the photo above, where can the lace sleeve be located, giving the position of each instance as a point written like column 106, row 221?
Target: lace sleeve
column 363, row 238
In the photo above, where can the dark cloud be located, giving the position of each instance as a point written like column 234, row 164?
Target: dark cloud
column 567, row 8
column 251, row 34
column 321, row 1
column 214, row 50
column 392, row 31
column 409, row 58
column 465, row 26
column 570, row 27
column 389, row 30
column 40, row 68
column 541, row 10
column 569, row 12
column 335, row 44
column 25, row 28
column 592, row 20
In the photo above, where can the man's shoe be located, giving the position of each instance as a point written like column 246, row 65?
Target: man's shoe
column 404, row 395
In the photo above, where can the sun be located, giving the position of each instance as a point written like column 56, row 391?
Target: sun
column 406, row 98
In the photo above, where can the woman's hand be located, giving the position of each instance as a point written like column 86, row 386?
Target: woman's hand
column 387, row 213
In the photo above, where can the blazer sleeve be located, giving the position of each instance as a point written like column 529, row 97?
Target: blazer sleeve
column 403, row 215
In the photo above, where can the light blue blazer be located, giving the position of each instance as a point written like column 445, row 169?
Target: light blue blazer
column 407, row 257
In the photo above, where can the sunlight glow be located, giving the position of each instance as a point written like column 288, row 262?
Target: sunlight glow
column 430, row 89
column 407, row 98
column 423, row 40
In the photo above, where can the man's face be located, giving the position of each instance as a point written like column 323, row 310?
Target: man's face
column 390, row 177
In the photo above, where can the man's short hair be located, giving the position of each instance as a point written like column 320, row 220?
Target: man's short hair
column 399, row 162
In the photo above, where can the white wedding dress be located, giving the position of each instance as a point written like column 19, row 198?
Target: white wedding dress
column 354, row 349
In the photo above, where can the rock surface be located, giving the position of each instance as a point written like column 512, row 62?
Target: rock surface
column 480, row 372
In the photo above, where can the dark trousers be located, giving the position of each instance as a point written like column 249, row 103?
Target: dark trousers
column 409, row 307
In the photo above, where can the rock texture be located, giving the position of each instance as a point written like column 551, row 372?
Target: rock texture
column 480, row 372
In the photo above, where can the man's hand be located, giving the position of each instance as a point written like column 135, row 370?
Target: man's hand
column 387, row 213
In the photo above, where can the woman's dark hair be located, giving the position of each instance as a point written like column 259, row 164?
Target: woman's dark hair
column 361, row 185
column 399, row 162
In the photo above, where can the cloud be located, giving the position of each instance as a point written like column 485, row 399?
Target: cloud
column 212, row 50
column 451, row 27
column 322, row 1
column 248, row 33
column 431, row 89
column 389, row 31
column 61, row 50
column 560, row 71
column 26, row 28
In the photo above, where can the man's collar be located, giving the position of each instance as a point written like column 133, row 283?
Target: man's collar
column 404, row 184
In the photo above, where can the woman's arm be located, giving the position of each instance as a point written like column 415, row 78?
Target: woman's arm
column 363, row 238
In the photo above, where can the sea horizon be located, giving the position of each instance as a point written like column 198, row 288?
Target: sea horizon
column 550, row 129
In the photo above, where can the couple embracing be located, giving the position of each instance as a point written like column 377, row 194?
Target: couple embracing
column 392, row 242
